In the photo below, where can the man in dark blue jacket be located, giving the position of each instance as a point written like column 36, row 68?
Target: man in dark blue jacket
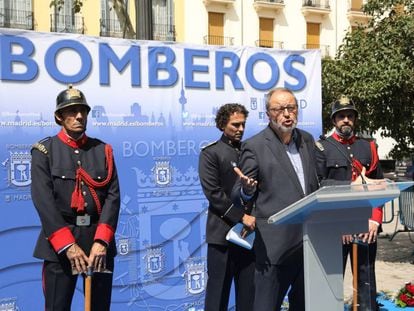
column 341, row 160
column 76, row 193
column 226, row 261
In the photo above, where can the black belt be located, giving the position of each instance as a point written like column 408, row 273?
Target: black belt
column 81, row 220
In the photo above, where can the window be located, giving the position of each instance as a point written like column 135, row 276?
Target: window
column 110, row 26
column 356, row 5
column 65, row 20
column 215, row 28
column 312, row 35
column 16, row 14
column 266, row 32
column 163, row 22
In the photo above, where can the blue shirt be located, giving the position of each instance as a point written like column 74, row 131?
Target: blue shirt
column 296, row 161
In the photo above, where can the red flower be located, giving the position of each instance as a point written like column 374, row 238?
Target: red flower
column 410, row 302
column 405, row 297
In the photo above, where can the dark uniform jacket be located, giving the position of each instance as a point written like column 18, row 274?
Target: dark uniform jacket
column 334, row 157
column 54, row 164
column 264, row 158
column 217, row 178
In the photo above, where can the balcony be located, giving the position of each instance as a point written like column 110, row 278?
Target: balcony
column 269, row 44
column 218, row 40
column 226, row 3
column 323, row 48
column 316, row 7
column 268, row 5
column 110, row 28
column 67, row 23
column 356, row 15
column 163, row 32
column 160, row 32
column 16, row 19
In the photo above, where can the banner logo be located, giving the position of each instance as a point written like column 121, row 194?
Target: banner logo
column 195, row 278
column 8, row 304
column 123, row 246
column 155, row 260
column 19, row 169
column 253, row 103
column 162, row 172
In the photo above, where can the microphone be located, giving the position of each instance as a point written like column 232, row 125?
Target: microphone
column 324, row 138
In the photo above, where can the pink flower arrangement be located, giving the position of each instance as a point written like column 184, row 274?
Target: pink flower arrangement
column 405, row 297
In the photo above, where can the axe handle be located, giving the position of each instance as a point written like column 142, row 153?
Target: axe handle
column 355, row 276
column 88, row 290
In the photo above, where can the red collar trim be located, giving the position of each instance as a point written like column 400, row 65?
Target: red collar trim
column 70, row 141
column 344, row 141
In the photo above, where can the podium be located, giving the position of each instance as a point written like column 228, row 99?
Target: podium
column 326, row 215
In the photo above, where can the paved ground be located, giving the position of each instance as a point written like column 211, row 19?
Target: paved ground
column 394, row 265
column 400, row 249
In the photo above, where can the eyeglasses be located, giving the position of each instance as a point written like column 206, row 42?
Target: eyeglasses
column 290, row 109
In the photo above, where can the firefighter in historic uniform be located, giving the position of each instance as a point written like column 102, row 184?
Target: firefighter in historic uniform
column 76, row 193
column 344, row 158
column 226, row 261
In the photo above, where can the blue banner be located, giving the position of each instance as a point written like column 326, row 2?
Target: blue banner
column 155, row 103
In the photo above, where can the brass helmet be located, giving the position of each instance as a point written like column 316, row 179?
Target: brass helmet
column 70, row 97
column 343, row 103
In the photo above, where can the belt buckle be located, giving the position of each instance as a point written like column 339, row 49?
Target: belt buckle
column 83, row 220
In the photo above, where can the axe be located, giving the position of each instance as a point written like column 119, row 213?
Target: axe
column 88, row 288
column 88, row 284
column 354, row 274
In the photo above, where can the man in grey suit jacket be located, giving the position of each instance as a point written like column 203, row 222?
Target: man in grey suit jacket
column 279, row 169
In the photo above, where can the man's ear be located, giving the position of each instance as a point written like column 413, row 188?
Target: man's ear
column 58, row 116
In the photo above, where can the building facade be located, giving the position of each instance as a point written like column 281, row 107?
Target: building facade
column 97, row 18
column 289, row 24
column 283, row 24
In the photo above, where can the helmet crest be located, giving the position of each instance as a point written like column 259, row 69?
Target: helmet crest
column 70, row 97
column 343, row 103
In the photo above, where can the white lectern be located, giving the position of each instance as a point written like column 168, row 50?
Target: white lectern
column 326, row 215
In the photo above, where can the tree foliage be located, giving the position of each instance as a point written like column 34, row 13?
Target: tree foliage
column 375, row 67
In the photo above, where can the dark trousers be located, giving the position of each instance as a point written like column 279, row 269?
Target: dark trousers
column 59, row 286
column 272, row 283
column 367, row 288
column 225, row 264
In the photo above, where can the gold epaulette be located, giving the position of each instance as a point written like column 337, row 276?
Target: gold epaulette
column 40, row 147
column 319, row 145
